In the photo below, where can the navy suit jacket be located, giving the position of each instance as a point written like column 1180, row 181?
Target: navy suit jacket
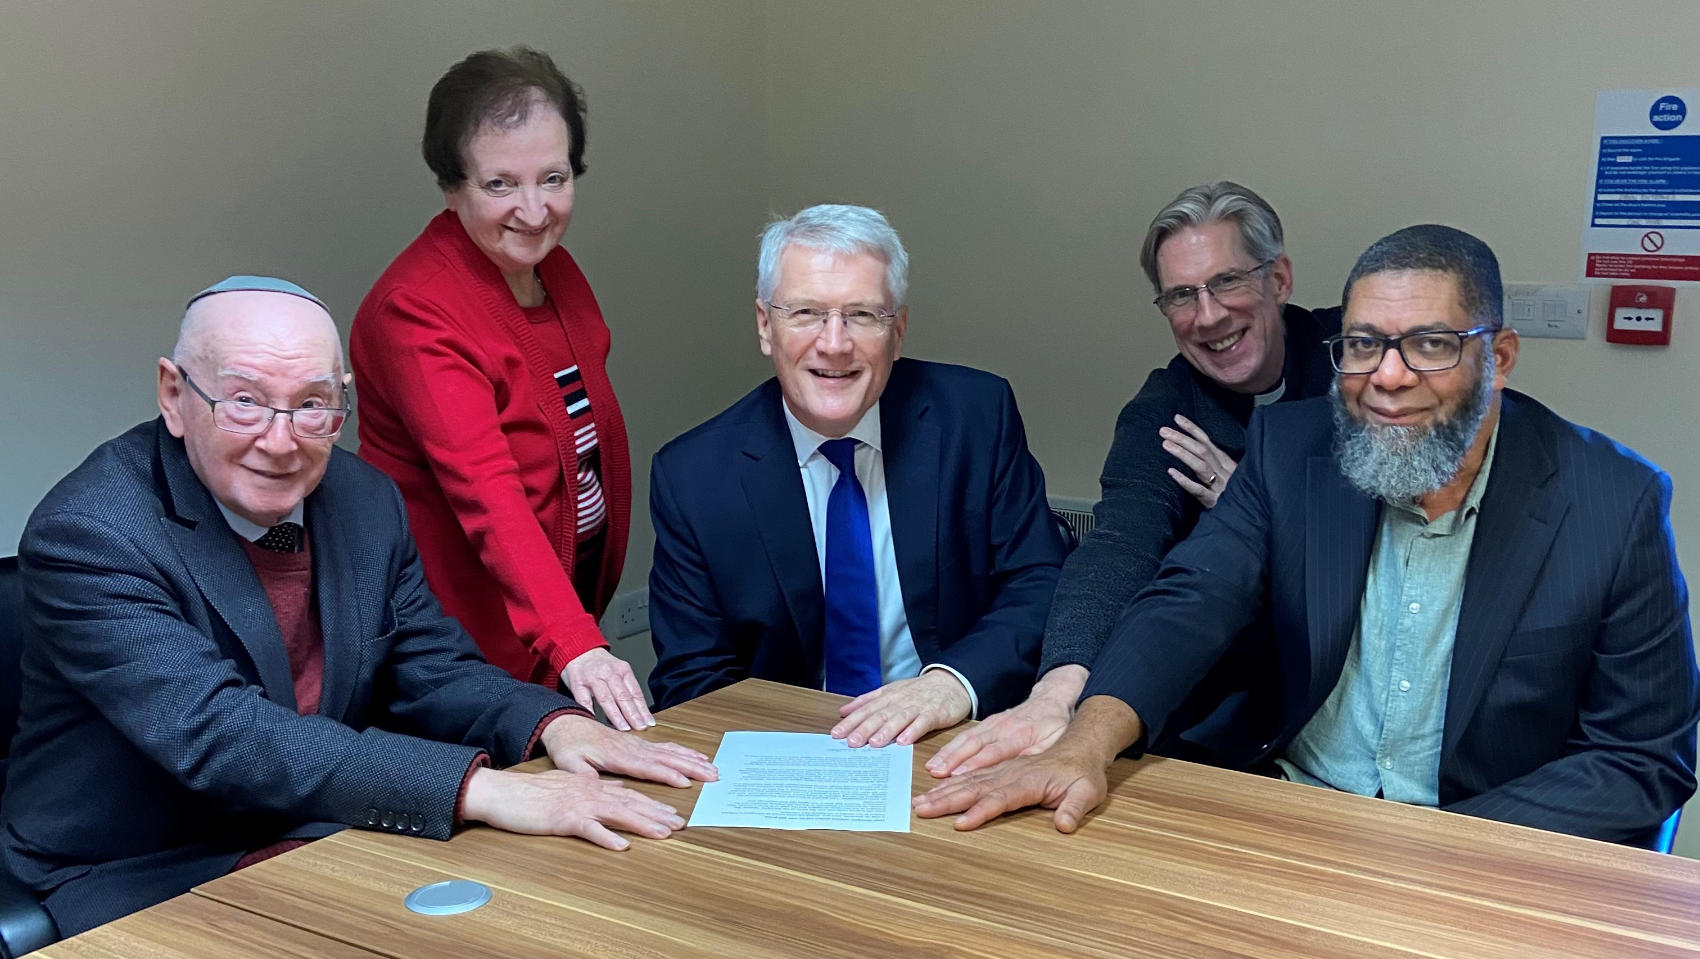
column 735, row 591
column 158, row 739
column 1573, row 697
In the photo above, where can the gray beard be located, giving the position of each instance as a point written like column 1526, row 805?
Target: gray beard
column 1402, row 464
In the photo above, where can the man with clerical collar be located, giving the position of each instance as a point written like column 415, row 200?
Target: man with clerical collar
column 1476, row 605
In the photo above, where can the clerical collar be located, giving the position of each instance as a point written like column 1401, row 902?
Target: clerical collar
column 253, row 531
column 1273, row 396
column 807, row 441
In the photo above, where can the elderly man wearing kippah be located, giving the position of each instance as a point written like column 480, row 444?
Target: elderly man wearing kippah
column 234, row 651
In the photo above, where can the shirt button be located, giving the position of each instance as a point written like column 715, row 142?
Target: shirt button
column 1387, row 764
column 1415, row 607
column 1404, row 685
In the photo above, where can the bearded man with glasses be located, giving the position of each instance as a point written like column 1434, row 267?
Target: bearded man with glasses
column 859, row 523
column 1476, row 605
column 231, row 648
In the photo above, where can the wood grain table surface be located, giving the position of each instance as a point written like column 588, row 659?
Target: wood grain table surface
column 1184, row 860
column 195, row 927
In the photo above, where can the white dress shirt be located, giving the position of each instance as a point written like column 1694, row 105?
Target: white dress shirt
column 253, row 531
column 898, row 658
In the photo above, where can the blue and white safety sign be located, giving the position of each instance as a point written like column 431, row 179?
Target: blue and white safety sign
column 1644, row 211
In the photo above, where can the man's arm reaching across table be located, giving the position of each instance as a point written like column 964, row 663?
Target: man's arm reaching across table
column 1023, row 730
column 1069, row 777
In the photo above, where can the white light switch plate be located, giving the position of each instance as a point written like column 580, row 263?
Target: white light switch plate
column 1540, row 309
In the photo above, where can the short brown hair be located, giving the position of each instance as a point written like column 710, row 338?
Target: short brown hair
column 496, row 87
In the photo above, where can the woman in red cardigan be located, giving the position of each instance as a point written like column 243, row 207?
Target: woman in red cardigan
column 483, row 392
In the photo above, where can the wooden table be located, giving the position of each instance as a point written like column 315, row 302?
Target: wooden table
column 1184, row 860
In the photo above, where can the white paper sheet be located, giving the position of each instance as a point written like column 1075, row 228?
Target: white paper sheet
column 806, row 781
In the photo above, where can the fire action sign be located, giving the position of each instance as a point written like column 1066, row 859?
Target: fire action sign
column 1644, row 218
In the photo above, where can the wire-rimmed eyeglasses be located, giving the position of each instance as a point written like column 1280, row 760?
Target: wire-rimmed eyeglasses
column 250, row 418
column 1235, row 288
column 861, row 321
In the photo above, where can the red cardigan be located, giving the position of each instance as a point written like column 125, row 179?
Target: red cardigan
column 459, row 406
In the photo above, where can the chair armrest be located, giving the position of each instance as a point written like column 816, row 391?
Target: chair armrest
column 25, row 925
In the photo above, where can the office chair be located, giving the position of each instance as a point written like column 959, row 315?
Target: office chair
column 1065, row 527
column 1667, row 833
column 24, row 925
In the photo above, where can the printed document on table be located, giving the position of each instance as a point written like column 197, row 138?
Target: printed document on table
column 806, row 781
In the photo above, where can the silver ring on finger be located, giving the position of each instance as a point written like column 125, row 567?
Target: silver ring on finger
column 1212, row 480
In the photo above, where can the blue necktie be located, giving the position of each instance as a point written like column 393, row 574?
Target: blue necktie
column 852, row 641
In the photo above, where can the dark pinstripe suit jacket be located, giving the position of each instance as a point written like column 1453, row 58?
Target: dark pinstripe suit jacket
column 159, row 741
column 1574, row 694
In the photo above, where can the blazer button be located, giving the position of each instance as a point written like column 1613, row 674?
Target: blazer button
column 372, row 816
column 418, row 823
column 389, row 819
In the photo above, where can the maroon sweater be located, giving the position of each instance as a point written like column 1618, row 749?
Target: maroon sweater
column 288, row 581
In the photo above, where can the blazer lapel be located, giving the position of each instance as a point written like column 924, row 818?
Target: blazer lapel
column 1340, row 525
column 1519, row 518
column 773, row 489
column 340, row 591
column 911, row 449
column 212, row 553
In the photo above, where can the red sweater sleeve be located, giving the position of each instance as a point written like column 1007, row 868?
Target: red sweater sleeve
column 437, row 378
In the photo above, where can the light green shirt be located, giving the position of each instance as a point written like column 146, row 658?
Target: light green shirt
column 1379, row 731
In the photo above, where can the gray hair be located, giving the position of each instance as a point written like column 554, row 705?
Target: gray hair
column 1432, row 248
column 1402, row 464
column 1260, row 228
column 835, row 228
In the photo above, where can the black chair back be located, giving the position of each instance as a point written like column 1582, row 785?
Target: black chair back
column 1065, row 528
column 11, row 649
column 24, row 925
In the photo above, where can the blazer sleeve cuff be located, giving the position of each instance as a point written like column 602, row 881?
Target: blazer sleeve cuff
column 536, row 739
column 480, row 761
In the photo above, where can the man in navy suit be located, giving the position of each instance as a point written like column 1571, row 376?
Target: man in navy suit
column 860, row 523
column 233, row 648
column 1476, row 605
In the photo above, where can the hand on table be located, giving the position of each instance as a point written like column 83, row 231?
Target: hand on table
column 599, row 678
column 1024, row 730
column 1072, row 782
column 578, row 744
column 560, row 803
column 1069, row 777
column 1210, row 466
column 903, row 711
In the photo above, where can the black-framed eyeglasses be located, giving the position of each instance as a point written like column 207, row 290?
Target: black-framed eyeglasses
column 1426, row 351
column 248, row 418
column 858, row 322
column 1236, row 288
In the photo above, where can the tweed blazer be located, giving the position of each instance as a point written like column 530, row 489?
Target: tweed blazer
column 158, row 739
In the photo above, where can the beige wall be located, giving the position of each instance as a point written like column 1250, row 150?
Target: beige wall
column 151, row 147
column 1022, row 148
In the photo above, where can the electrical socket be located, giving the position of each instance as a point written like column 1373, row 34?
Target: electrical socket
column 628, row 614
